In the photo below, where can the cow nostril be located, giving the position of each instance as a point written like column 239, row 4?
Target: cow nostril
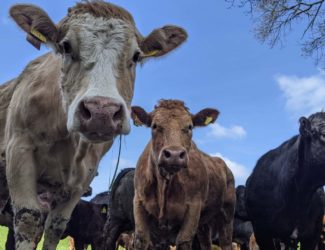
column 167, row 154
column 182, row 155
column 118, row 115
column 84, row 111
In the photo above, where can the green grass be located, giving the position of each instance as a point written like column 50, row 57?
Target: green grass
column 63, row 245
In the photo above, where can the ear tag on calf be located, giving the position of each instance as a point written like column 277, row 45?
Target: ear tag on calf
column 208, row 120
column 151, row 53
column 38, row 35
column 104, row 210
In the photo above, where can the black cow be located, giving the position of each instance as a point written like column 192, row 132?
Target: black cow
column 243, row 228
column 86, row 224
column 120, row 206
column 283, row 194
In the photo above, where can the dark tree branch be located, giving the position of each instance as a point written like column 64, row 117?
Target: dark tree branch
column 274, row 18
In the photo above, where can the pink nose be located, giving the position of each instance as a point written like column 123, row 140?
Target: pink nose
column 100, row 117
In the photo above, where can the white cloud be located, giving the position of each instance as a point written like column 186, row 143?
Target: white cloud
column 240, row 172
column 234, row 132
column 304, row 95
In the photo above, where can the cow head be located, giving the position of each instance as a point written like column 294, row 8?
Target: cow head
column 312, row 133
column 99, row 47
column 172, row 125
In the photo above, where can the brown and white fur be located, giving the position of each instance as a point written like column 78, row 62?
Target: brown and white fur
column 61, row 114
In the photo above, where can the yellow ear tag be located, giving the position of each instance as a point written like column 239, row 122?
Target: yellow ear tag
column 208, row 120
column 136, row 121
column 104, row 210
column 151, row 53
column 38, row 35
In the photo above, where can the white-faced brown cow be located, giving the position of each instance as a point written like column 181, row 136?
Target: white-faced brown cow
column 60, row 116
column 179, row 190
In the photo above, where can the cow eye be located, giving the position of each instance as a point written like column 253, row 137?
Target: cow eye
column 190, row 127
column 66, row 47
column 136, row 57
column 154, row 126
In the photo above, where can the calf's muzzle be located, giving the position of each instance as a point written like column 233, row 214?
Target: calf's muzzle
column 172, row 159
column 100, row 118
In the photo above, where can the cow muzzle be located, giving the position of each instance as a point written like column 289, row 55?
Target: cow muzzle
column 100, row 118
column 172, row 159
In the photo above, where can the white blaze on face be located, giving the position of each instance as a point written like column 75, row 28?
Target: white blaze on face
column 101, row 44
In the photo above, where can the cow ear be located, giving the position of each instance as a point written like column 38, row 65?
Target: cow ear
column 305, row 126
column 163, row 40
column 205, row 117
column 36, row 23
column 140, row 116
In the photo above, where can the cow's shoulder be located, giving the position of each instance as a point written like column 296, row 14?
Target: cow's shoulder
column 36, row 106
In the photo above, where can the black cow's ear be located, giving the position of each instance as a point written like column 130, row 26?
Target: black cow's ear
column 140, row 116
column 305, row 126
column 205, row 117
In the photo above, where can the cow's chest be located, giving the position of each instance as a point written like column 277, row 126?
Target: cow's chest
column 172, row 209
column 64, row 168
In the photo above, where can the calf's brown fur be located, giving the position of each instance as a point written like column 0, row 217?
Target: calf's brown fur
column 180, row 190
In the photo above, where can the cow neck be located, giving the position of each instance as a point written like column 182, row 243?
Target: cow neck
column 304, row 183
column 163, row 187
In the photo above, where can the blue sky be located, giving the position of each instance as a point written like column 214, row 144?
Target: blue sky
column 260, row 92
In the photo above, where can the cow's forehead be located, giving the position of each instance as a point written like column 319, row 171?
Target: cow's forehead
column 171, row 116
column 100, row 9
column 96, row 10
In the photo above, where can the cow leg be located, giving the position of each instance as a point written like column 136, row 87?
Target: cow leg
column 4, row 192
column 142, row 233
column 21, row 177
column 190, row 226
column 10, row 244
column 112, row 231
column 79, row 245
column 204, row 236
column 57, row 220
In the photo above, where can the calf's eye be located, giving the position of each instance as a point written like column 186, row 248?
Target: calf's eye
column 66, row 47
column 136, row 57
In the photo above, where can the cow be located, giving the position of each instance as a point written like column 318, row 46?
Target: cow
column 283, row 194
column 86, row 224
column 62, row 113
column 179, row 189
column 120, row 206
column 242, row 229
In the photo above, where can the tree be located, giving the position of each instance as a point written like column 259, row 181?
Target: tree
column 274, row 18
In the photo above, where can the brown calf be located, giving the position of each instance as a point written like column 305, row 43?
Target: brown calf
column 179, row 190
